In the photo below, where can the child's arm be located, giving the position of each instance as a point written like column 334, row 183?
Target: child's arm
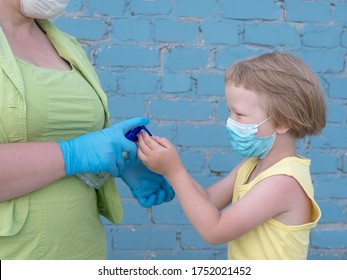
column 268, row 199
column 167, row 160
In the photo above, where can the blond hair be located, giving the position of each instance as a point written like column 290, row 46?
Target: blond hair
column 288, row 89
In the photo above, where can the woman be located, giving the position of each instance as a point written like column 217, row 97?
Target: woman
column 49, row 96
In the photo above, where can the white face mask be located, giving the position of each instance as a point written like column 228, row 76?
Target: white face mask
column 43, row 9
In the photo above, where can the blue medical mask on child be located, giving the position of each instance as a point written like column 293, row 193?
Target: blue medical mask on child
column 243, row 140
column 43, row 9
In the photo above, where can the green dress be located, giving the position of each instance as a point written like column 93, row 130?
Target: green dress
column 63, row 221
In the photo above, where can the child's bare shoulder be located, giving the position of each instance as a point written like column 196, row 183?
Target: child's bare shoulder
column 291, row 198
column 285, row 189
column 282, row 183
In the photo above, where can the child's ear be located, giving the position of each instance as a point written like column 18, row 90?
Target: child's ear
column 282, row 129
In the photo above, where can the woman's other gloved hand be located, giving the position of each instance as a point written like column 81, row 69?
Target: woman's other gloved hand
column 148, row 187
column 102, row 150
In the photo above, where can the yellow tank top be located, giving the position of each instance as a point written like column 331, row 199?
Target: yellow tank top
column 274, row 240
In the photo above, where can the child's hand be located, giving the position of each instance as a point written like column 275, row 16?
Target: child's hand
column 158, row 154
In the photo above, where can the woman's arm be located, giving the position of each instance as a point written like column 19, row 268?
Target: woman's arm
column 26, row 167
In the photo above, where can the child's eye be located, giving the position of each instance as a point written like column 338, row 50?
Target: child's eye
column 234, row 113
column 237, row 114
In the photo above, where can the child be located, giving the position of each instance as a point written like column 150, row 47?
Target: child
column 273, row 99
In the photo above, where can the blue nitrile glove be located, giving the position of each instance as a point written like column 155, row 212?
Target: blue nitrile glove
column 101, row 150
column 148, row 187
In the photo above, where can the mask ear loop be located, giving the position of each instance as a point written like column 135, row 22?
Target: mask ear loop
column 275, row 133
column 263, row 121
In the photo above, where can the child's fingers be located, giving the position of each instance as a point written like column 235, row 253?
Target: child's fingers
column 146, row 144
column 143, row 157
column 162, row 141
column 147, row 140
column 140, row 153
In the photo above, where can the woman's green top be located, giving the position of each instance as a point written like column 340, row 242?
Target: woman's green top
column 60, row 220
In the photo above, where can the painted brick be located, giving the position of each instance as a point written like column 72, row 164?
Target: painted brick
column 307, row 11
column 132, row 237
column 327, row 254
column 330, row 239
column 163, row 130
column 109, row 80
column 340, row 12
column 323, row 163
column 186, row 58
column 168, row 255
column 131, row 56
column 134, row 214
column 324, row 62
column 221, row 33
column 224, row 162
column 140, row 82
column 132, row 30
column 184, row 110
column 336, row 113
column 281, row 35
column 318, row 36
column 201, row 136
column 226, row 57
column 144, row 7
column 333, row 136
column 190, row 255
column 175, row 31
column 210, row 84
column 338, row 87
column 108, row 7
column 331, row 212
column 74, row 6
column 250, row 9
column 330, row 187
column 127, row 254
column 169, row 214
column 86, row 29
column 119, row 106
column 193, row 161
column 344, row 39
column 222, row 112
column 176, row 83
column 194, row 8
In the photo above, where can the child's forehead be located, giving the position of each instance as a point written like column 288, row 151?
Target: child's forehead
column 239, row 96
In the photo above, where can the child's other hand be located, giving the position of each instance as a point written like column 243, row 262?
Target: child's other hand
column 158, row 154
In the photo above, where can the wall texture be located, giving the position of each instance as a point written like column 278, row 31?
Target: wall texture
column 165, row 59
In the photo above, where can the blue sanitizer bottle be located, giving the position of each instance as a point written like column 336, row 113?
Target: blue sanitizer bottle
column 96, row 180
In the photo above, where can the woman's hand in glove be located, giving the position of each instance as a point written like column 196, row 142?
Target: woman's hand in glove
column 102, row 150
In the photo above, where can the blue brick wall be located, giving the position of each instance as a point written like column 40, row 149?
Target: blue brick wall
column 165, row 59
